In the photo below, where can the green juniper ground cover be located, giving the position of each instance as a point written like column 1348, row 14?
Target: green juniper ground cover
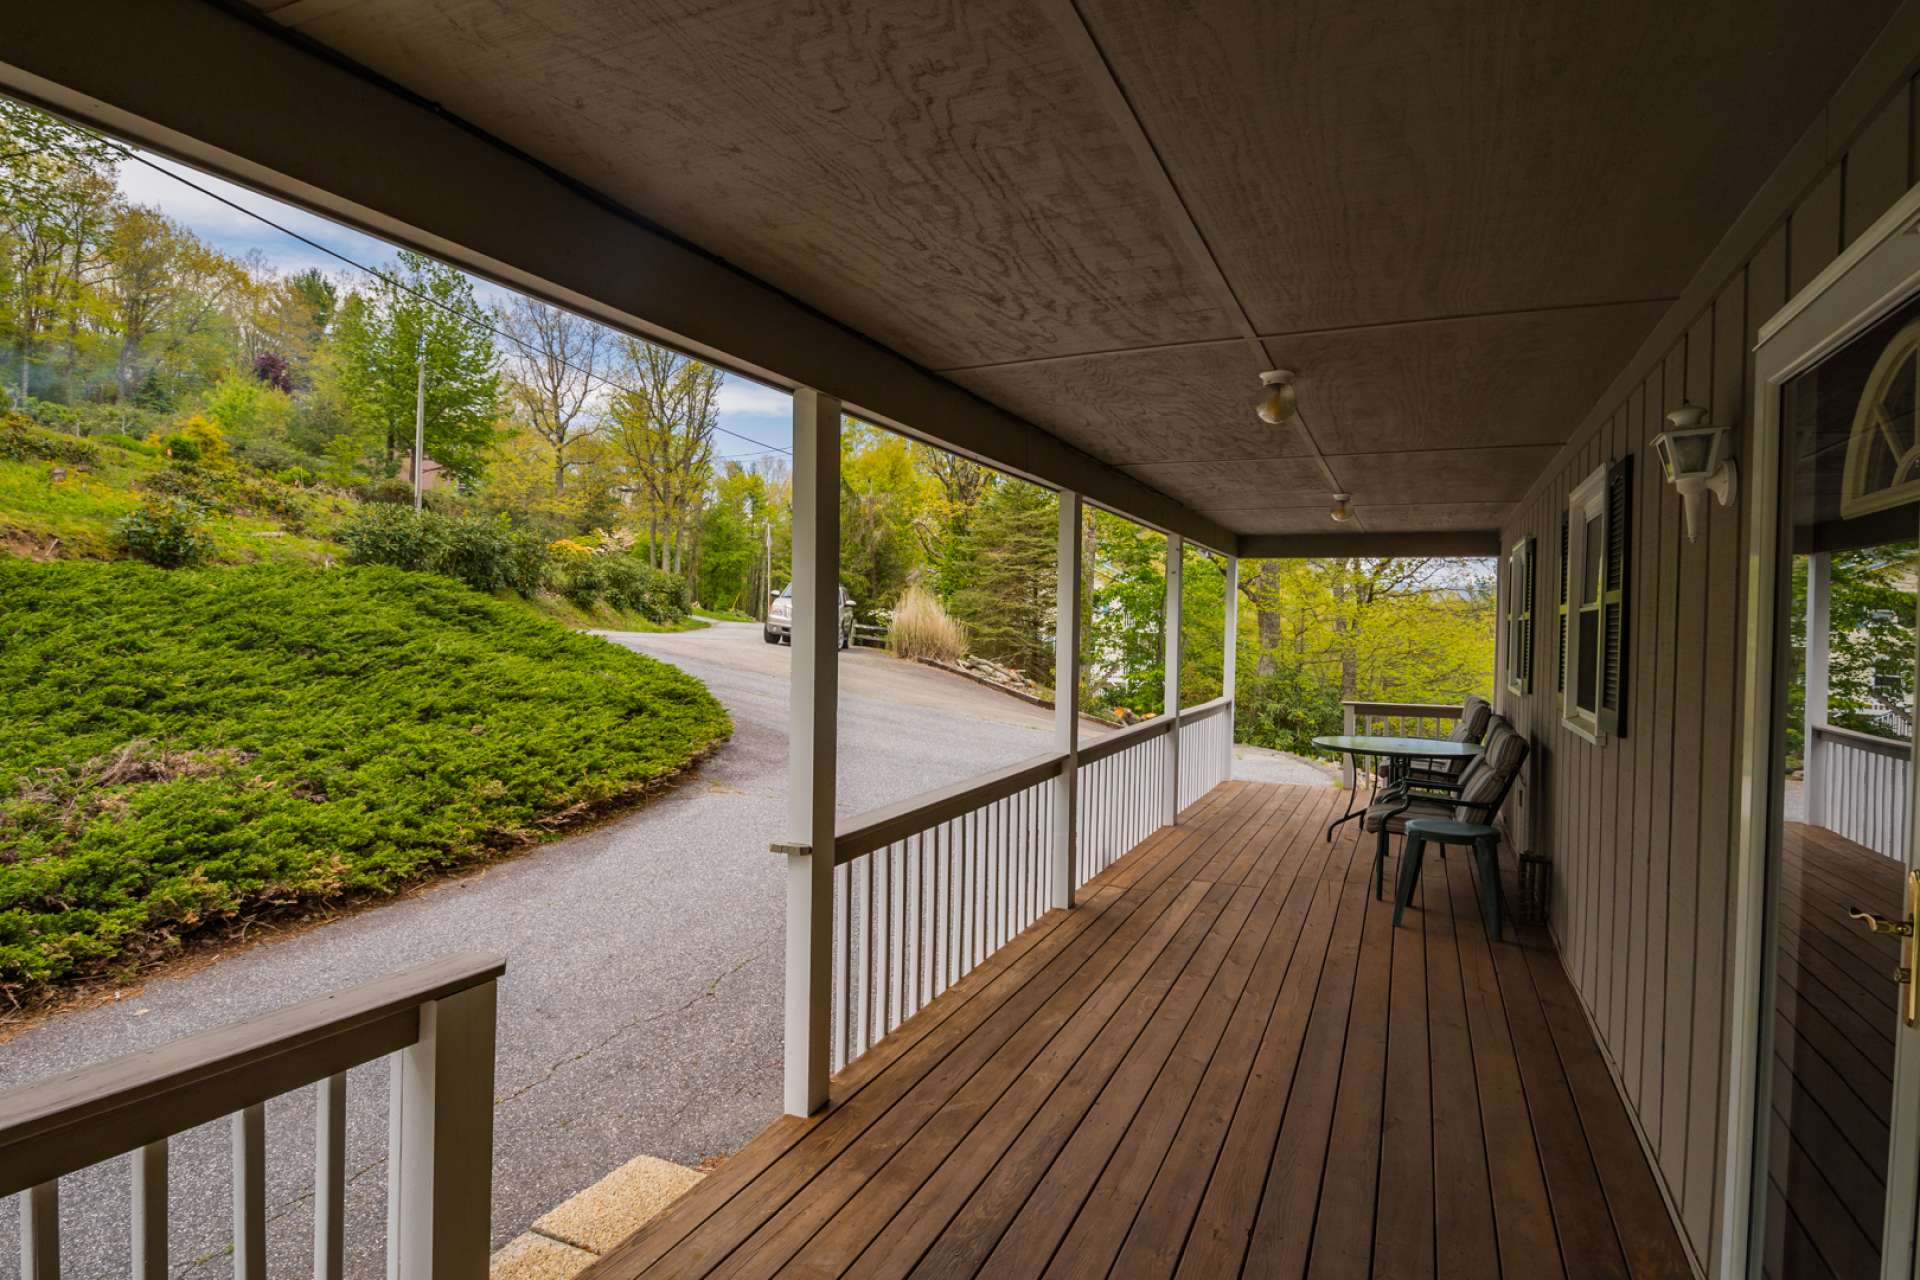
column 181, row 748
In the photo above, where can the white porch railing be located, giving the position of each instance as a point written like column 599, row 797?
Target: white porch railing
column 1860, row 785
column 435, row 1021
column 926, row 889
column 1206, row 748
column 1397, row 720
column 1122, row 789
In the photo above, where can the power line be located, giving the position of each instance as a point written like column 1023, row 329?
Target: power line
column 401, row 286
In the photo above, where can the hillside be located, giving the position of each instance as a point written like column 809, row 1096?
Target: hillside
column 188, row 748
column 64, row 497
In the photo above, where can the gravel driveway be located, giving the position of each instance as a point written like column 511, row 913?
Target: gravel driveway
column 640, row 1012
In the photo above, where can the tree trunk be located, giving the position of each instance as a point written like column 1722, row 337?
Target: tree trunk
column 1266, row 611
column 1342, row 589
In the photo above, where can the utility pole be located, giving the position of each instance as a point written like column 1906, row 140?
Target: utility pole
column 420, row 416
column 766, row 595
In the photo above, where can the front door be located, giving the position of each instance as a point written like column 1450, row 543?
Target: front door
column 1836, row 1071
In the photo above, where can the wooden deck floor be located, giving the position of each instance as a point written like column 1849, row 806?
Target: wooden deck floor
column 1833, row 1058
column 1225, row 1061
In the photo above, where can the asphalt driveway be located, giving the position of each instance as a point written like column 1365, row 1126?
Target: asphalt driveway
column 641, row 1008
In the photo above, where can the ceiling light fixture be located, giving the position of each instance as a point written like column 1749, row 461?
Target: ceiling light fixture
column 1275, row 404
column 1342, row 507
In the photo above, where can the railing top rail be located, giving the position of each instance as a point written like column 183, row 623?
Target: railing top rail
column 1871, row 741
column 1131, row 736
column 82, row 1117
column 1205, row 709
column 878, row 828
column 1404, row 708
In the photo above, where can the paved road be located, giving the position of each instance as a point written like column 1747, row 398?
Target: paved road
column 641, row 1008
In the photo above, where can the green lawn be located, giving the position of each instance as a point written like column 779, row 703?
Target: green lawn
column 185, row 749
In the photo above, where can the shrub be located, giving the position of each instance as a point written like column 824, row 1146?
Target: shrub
column 50, row 413
column 478, row 552
column 195, row 440
column 183, row 752
column 22, row 441
column 584, row 580
column 487, row 555
column 123, row 420
column 121, row 440
column 399, row 493
column 921, row 629
column 669, row 599
column 389, row 489
column 296, row 476
column 168, row 532
column 395, row 536
column 529, row 563
column 189, row 481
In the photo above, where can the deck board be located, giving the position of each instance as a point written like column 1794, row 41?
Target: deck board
column 1832, row 1087
column 1224, row 1061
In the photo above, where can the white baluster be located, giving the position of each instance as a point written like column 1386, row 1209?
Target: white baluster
column 40, row 1232
column 250, row 1193
column 330, row 1177
column 150, row 1211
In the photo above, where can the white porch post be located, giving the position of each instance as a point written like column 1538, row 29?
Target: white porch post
column 439, row 1143
column 1813, row 770
column 1230, row 657
column 1171, row 699
column 1066, row 705
column 813, row 737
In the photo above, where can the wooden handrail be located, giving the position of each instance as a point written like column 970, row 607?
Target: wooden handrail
column 878, row 828
column 1404, row 708
column 1869, row 741
column 67, row 1122
column 1131, row 736
column 1205, row 710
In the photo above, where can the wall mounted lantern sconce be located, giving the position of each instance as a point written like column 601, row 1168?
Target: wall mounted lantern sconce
column 1276, row 402
column 1693, row 453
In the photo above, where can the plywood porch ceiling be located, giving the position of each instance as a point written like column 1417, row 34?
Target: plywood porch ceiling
column 1455, row 221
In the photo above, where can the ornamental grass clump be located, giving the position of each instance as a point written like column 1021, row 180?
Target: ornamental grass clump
column 921, row 629
column 183, row 752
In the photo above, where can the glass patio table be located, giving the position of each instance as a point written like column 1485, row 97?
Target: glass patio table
column 1399, row 754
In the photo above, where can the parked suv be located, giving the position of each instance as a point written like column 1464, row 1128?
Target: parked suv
column 780, row 617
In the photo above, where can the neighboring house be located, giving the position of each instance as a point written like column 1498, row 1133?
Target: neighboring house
column 432, row 474
column 1510, row 254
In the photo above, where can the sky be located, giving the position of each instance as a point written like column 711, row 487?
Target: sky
column 753, row 419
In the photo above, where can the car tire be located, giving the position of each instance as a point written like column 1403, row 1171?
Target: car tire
column 770, row 635
column 846, row 637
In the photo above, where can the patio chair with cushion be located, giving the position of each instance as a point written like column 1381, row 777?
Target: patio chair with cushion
column 1473, row 799
column 1475, row 716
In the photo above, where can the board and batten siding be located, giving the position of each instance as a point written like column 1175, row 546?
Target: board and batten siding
column 1642, row 831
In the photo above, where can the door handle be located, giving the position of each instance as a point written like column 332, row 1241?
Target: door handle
column 1880, row 924
column 1909, row 946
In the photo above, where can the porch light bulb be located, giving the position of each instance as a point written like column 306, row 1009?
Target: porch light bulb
column 1693, row 457
column 1342, row 507
column 1276, row 402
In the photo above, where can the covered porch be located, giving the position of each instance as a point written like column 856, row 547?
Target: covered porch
column 1109, row 1011
column 1224, row 1061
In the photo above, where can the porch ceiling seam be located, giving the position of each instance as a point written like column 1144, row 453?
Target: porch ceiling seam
column 1085, row 47
column 1410, row 322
